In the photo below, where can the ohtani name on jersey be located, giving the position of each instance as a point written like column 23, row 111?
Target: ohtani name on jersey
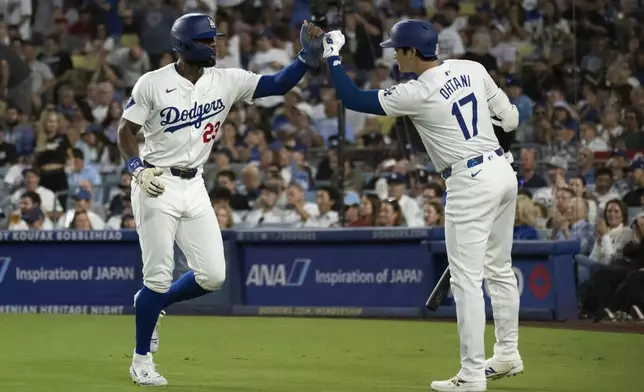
column 454, row 84
column 179, row 119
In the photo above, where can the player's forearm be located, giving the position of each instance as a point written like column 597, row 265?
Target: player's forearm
column 351, row 96
column 127, row 143
column 281, row 82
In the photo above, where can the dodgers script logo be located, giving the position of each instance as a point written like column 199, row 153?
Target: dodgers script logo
column 179, row 119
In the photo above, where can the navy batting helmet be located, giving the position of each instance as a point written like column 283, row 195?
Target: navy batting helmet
column 414, row 33
column 188, row 30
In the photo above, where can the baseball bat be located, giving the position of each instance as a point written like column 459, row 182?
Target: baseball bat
column 439, row 292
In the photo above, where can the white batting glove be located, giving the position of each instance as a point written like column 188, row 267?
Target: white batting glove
column 332, row 43
column 147, row 179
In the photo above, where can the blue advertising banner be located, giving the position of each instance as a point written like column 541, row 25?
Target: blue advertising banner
column 93, row 278
column 389, row 274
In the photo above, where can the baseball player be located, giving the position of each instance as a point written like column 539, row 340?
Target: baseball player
column 450, row 105
column 180, row 109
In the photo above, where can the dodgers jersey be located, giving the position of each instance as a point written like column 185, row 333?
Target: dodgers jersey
column 450, row 106
column 181, row 120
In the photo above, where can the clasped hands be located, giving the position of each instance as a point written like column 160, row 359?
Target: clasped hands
column 316, row 43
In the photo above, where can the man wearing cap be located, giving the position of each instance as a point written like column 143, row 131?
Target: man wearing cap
column 450, row 42
column 83, row 201
column 266, row 212
column 34, row 219
column 29, row 201
column 635, row 198
column 523, row 103
column 557, row 168
column 80, row 171
column 353, row 177
column 618, row 163
column 351, row 211
column 411, row 210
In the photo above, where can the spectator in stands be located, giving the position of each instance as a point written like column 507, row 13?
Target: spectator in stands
column 433, row 214
column 52, row 151
column 611, row 237
column 353, row 177
column 42, row 79
column 266, row 211
column 573, row 225
column 298, row 210
column 528, row 169
column 524, row 220
column 390, row 214
column 433, row 193
column 633, row 135
column 410, row 209
column 49, row 203
column 364, row 33
column 326, row 198
column 327, row 124
column 251, row 181
column 618, row 163
column 128, row 222
column 297, row 170
column 523, row 103
column 28, row 201
column 352, row 211
column 81, row 221
column 114, row 222
column 557, row 167
column 450, row 42
column 8, row 152
column 221, row 197
column 591, row 139
column 604, row 190
column 82, row 204
column 17, row 131
column 79, row 172
column 578, row 185
column 97, row 151
column 131, row 63
column 225, row 217
column 369, row 208
column 635, row 198
column 228, row 180
column 34, row 219
column 586, row 165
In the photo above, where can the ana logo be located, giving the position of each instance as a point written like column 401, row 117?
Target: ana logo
column 179, row 119
column 272, row 275
column 4, row 266
column 212, row 23
column 130, row 103
column 437, row 50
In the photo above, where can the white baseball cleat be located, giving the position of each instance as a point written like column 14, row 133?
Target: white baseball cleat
column 496, row 370
column 144, row 372
column 154, row 342
column 457, row 384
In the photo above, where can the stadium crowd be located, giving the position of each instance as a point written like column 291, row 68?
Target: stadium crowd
column 574, row 70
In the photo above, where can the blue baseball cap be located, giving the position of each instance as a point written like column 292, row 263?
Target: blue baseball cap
column 82, row 194
column 93, row 128
column 33, row 215
column 618, row 152
column 351, row 199
column 637, row 164
column 397, row 178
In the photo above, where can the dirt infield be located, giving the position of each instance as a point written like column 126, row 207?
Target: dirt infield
column 588, row 325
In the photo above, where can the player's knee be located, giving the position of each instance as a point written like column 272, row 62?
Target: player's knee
column 211, row 279
column 160, row 286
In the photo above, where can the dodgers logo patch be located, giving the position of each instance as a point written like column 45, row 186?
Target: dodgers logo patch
column 175, row 119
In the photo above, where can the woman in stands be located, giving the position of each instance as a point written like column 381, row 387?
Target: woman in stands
column 433, row 214
column 225, row 217
column 369, row 208
column 390, row 214
column 524, row 220
column 611, row 237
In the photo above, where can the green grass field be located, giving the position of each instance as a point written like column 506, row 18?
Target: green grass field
column 48, row 353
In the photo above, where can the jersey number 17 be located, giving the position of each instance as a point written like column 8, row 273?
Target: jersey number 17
column 458, row 113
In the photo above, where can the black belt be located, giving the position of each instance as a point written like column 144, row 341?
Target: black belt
column 472, row 162
column 181, row 173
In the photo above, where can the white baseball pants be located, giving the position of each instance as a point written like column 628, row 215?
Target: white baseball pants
column 183, row 213
column 479, row 221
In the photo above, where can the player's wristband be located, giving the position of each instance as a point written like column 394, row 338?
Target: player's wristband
column 133, row 164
